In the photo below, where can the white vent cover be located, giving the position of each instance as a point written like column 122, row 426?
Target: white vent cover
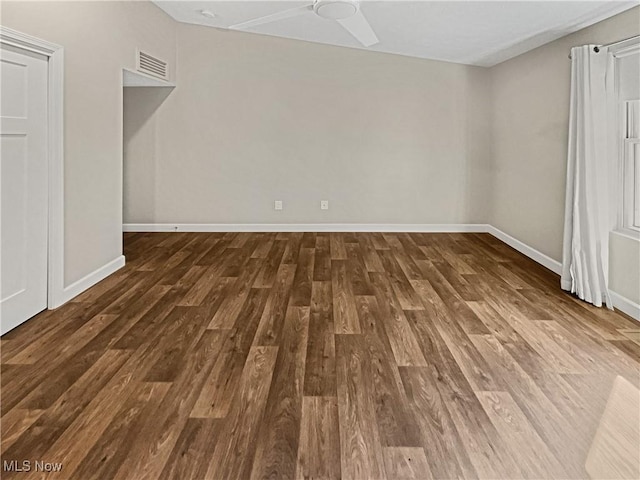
column 151, row 65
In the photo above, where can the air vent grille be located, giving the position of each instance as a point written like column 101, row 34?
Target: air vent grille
column 151, row 65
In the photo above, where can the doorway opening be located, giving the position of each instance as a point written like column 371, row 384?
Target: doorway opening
column 142, row 96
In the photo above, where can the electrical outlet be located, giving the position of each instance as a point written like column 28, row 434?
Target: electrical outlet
column 277, row 204
column 324, row 204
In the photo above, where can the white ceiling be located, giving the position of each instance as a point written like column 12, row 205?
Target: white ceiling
column 471, row 32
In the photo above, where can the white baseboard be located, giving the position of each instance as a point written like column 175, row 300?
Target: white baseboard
column 525, row 249
column 302, row 227
column 76, row 288
column 625, row 305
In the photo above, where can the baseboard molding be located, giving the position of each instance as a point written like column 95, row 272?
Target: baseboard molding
column 532, row 253
column 304, row 227
column 76, row 288
column 625, row 305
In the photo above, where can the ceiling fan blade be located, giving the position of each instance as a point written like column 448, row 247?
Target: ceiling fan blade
column 292, row 12
column 358, row 26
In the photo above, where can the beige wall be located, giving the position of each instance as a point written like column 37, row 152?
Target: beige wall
column 99, row 39
column 530, row 117
column 253, row 119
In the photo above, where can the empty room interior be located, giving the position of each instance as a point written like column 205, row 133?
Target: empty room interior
column 320, row 239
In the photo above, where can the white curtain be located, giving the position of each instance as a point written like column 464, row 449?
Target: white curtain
column 591, row 153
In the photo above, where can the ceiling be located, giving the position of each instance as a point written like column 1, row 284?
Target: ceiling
column 480, row 33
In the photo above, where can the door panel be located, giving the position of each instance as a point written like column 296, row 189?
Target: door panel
column 23, row 186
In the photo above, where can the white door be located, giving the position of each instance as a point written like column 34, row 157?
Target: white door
column 23, row 186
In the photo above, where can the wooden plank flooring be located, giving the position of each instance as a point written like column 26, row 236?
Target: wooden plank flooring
column 314, row 355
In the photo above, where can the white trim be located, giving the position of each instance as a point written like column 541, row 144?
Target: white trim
column 76, row 288
column 532, row 253
column 55, row 152
column 630, row 46
column 303, row 227
column 56, row 179
column 627, row 145
column 12, row 37
column 627, row 233
column 625, row 305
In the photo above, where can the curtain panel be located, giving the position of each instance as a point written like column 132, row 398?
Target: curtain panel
column 590, row 173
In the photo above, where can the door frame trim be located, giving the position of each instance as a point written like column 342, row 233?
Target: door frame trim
column 55, row 155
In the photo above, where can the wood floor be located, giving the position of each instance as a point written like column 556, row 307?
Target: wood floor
column 290, row 355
